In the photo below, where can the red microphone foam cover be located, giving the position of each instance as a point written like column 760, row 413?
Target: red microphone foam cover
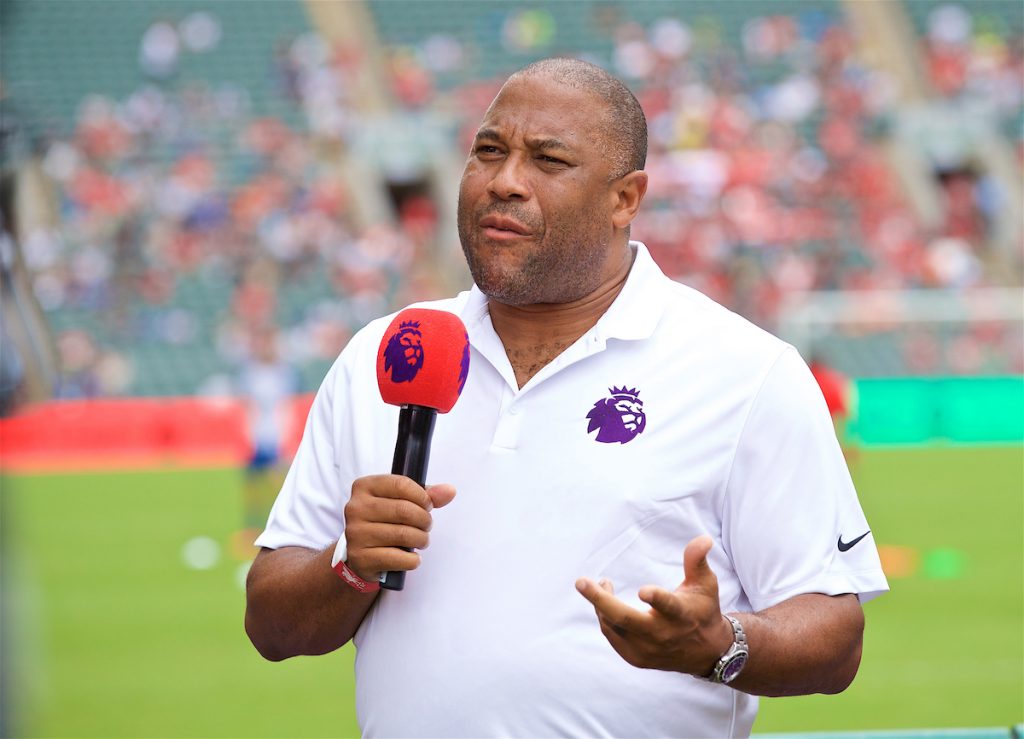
column 423, row 359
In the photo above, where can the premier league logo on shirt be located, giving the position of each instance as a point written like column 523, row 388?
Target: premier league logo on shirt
column 403, row 356
column 618, row 418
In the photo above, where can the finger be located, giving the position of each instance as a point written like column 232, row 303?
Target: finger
column 391, row 535
column 606, row 585
column 393, row 486
column 665, row 602
column 696, row 570
column 617, row 636
column 611, row 609
column 440, row 495
column 586, row 584
column 614, row 633
column 369, row 563
column 401, row 512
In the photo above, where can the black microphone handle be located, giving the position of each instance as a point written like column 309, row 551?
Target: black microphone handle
column 412, row 453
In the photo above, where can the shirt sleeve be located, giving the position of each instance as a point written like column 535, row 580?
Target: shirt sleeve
column 790, row 501
column 309, row 509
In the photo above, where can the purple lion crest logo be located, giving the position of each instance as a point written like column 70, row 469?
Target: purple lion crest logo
column 618, row 418
column 403, row 356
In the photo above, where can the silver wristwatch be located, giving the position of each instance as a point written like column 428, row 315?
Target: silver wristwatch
column 730, row 664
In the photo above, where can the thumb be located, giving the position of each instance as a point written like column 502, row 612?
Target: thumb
column 696, row 570
column 440, row 495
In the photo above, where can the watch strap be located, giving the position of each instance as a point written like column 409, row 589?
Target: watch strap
column 737, row 652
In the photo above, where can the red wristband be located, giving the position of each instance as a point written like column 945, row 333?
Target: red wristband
column 345, row 573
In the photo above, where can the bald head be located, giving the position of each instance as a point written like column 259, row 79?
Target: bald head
column 623, row 126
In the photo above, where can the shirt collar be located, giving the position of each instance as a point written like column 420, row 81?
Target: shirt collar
column 637, row 309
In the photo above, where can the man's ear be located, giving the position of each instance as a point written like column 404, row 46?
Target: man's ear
column 629, row 191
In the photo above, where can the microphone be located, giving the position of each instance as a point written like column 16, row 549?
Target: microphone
column 422, row 366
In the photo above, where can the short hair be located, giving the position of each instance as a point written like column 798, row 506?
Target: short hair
column 624, row 127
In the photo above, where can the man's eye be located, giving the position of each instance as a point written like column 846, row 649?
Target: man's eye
column 551, row 160
column 486, row 149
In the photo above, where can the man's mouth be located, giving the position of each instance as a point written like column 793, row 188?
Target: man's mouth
column 502, row 227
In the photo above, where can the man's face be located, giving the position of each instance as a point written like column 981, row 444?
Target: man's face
column 536, row 198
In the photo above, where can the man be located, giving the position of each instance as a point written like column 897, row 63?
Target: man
column 617, row 431
column 266, row 383
column 840, row 396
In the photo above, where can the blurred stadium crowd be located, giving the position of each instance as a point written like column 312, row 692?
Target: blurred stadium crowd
column 199, row 197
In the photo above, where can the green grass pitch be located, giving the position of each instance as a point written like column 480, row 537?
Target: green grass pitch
column 109, row 634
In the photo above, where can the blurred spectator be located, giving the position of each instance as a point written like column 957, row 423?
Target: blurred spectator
column 267, row 384
column 200, row 32
column 159, row 50
column 840, row 398
column 12, row 375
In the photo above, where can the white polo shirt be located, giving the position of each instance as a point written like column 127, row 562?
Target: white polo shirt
column 671, row 418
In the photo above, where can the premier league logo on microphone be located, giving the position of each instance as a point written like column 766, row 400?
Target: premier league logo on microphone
column 405, row 375
column 618, row 418
column 403, row 356
column 464, row 364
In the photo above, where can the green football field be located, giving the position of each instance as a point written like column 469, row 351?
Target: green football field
column 123, row 608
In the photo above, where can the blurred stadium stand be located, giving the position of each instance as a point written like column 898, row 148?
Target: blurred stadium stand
column 215, row 168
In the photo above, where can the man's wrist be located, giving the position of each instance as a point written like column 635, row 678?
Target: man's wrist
column 346, row 573
column 734, row 657
column 720, row 644
column 340, row 551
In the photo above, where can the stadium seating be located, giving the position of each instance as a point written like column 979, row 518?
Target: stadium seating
column 196, row 203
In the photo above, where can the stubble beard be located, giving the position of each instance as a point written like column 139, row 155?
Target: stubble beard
column 566, row 265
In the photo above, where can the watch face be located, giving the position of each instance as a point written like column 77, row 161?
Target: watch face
column 733, row 667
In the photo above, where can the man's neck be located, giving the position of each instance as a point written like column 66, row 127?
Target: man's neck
column 533, row 335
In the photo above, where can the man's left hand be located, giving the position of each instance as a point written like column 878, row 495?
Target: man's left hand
column 683, row 631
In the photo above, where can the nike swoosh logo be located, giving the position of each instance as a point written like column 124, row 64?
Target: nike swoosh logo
column 845, row 546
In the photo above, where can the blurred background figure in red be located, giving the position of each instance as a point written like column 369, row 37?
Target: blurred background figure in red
column 840, row 397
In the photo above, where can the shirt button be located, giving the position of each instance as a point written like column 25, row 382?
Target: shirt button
column 514, row 410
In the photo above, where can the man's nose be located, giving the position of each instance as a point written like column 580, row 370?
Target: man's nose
column 509, row 181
